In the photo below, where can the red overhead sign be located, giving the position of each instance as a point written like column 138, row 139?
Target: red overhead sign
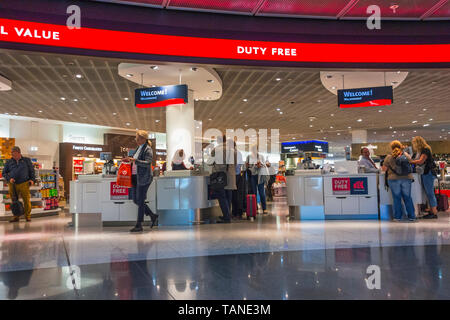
column 25, row 32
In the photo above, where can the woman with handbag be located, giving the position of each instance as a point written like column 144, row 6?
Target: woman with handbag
column 142, row 178
column 424, row 164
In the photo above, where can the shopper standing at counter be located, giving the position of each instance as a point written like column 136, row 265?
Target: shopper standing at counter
column 424, row 161
column 142, row 178
column 399, row 176
column 366, row 162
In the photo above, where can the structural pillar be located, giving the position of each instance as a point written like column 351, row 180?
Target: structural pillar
column 180, row 129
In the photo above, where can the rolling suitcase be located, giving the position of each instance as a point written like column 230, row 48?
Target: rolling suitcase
column 251, row 206
column 442, row 200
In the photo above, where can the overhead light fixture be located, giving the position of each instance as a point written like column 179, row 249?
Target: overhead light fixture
column 333, row 88
column 40, row 111
column 210, row 119
column 349, row 127
column 332, row 114
column 75, row 100
column 338, row 134
column 311, row 126
column 278, row 79
column 430, row 119
column 398, row 72
column 415, row 121
column 245, row 100
column 70, row 113
column 126, row 99
column 240, row 112
column 79, row 76
column 278, row 109
column 406, row 101
column 380, row 110
column 281, row 112
column 154, row 67
column 331, row 127
column 359, row 120
column 127, row 123
column 129, row 75
column 62, row 98
column 196, row 99
column 114, row 113
column 157, row 120
column 426, row 125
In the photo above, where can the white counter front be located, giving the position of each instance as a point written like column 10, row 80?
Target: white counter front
column 305, row 197
column 351, row 196
column 177, row 199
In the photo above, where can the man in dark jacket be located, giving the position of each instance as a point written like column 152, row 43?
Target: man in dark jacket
column 19, row 172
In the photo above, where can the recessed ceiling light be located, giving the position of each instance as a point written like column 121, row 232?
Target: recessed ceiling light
column 430, row 119
column 198, row 127
column 16, row 113
column 157, row 120
column 245, row 125
column 293, row 138
column 359, row 120
column 331, row 127
column 154, row 67
column 278, row 79
column 209, row 119
column 245, row 100
column 349, row 127
column 406, row 101
column 319, row 101
column 114, row 113
column 324, row 138
column 75, row 100
column 415, row 131
column 62, row 98
column 153, row 85
column 240, row 112
column 380, row 110
column 398, row 72
column 415, row 121
column 395, row 132
column 129, row 75
column 281, row 112
column 40, row 111
column 426, row 125
column 127, row 123
column 338, row 134
column 424, row 109
column 311, row 126
column 278, row 109
column 196, row 99
column 332, row 114
column 69, row 113
column 333, row 88
column 79, row 76
column 374, row 133
column 126, row 99
column 390, row 127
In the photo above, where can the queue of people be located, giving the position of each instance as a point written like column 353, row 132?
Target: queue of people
column 243, row 178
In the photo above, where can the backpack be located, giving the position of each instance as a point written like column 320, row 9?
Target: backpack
column 402, row 166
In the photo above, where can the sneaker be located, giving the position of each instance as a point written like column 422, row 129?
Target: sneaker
column 430, row 216
column 413, row 220
column 15, row 219
column 396, row 220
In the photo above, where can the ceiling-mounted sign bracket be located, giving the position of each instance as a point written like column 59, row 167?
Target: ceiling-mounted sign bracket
column 161, row 96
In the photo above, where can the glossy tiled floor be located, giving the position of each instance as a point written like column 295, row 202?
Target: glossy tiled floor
column 270, row 258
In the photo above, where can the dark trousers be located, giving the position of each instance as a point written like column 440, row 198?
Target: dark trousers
column 238, row 198
column 221, row 196
column 139, row 195
column 269, row 187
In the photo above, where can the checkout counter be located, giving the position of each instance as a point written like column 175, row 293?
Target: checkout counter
column 315, row 195
column 179, row 197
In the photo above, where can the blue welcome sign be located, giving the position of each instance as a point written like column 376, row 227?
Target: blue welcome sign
column 161, row 96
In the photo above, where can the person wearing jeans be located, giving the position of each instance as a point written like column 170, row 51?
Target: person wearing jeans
column 400, row 185
column 142, row 178
column 426, row 161
column 401, row 189
column 256, row 164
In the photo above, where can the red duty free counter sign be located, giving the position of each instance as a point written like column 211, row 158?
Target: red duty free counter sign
column 17, row 31
column 118, row 192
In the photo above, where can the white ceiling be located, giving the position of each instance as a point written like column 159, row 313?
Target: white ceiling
column 102, row 97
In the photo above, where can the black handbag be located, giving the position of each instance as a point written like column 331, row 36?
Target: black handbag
column 218, row 180
column 16, row 206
